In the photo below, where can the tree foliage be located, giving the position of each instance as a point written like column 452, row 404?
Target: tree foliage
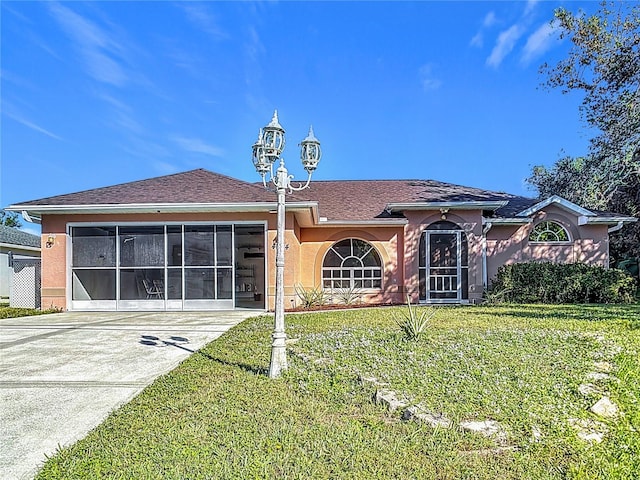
column 603, row 63
column 10, row 219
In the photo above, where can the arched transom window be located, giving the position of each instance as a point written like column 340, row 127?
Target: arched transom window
column 549, row 232
column 352, row 263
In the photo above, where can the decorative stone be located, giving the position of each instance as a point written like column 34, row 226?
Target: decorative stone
column 605, row 408
column 589, row 389
column 487, row 428
column 605, row 367
column 598, row 376
column 587, row 436
column 323, row 361
column 418, row 413
column 372, row 381
column 588, row 430
column 388, row 399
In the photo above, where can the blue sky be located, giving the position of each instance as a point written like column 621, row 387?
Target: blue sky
column 100, row 93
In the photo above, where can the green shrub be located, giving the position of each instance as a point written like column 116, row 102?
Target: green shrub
column 545, row 282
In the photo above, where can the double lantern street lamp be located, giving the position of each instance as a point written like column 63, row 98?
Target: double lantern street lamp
column 266, row 151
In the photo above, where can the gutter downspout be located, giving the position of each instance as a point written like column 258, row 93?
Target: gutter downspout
column 485, row 276
column 30, row 219
column 616, row 228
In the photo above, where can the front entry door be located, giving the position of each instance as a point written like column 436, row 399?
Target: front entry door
column 444, row 265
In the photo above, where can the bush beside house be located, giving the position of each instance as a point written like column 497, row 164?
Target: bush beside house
column 545, row 282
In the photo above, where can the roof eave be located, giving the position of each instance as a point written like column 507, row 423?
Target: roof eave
column 40, row 210
column 506, row 221
column 392, row 222
column 470, row 205
column 558, row 201
column 20, row 247
column 585, row 220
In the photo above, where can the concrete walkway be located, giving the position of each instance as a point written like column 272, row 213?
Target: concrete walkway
column 62, row 374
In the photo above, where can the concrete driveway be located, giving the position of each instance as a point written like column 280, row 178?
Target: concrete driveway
column 62, row 374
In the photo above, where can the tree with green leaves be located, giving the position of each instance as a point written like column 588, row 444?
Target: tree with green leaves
column 603, row 63
column 10, row 219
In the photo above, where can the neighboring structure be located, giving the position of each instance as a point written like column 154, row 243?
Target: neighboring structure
column 19, row 267
column 200, row 240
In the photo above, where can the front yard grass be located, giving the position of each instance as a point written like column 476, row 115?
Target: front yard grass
column 14, row 312
column 217, row 416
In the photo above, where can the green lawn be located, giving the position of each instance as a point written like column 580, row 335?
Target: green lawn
column 217, row 416
column 13, row 312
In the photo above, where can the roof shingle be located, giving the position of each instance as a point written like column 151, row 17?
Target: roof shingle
column 194, row 186
column 341, row 200
column 13, row 236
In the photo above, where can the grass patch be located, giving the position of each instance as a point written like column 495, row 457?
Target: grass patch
column 218, row 416
column 14, row 312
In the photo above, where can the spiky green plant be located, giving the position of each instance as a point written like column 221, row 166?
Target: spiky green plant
column 412, row 322
column 348, row 296
column 311, row 297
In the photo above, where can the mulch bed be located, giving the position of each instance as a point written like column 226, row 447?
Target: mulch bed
column 320, row 308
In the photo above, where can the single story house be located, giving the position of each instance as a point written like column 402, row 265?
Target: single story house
column 19, row 267
column 201, row 240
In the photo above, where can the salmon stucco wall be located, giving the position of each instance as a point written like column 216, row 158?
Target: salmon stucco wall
column 469, row 221
column 54, row 263
column 508, row 244
column 292, row 259
column 388, row 242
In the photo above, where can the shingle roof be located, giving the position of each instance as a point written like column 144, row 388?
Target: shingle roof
column 194, row 186
column 341, row 200
column 13, row 236
column 367, row 199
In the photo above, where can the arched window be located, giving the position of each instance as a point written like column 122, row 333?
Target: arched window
column 352, row 263
column 549, row 232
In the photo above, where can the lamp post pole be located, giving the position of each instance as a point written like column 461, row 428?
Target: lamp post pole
column 267, row 149
column 278, row 349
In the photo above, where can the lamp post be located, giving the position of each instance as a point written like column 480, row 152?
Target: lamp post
column 266, row 151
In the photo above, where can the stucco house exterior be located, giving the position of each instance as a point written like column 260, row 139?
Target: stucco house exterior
column 201, row 240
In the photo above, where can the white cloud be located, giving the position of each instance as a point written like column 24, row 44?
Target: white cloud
column 539, row 41
column 145, row 149
column 200, row 16
column 531, row 4
column 477, row 40
column 504, row 45
column 490, row 20
column 198, row 146
column 32, row 126
column 122, row 114
column 428, row 79
column 96, row 47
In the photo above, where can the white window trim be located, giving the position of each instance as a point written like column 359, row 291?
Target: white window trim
column 550, row 242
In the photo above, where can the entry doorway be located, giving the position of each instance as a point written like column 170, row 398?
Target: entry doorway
column 443, row 264
column 250, row 276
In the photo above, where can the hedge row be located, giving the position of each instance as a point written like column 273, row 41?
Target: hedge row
column 537, row 282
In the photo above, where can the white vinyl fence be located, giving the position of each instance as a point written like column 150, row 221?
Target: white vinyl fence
column 25, row 285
